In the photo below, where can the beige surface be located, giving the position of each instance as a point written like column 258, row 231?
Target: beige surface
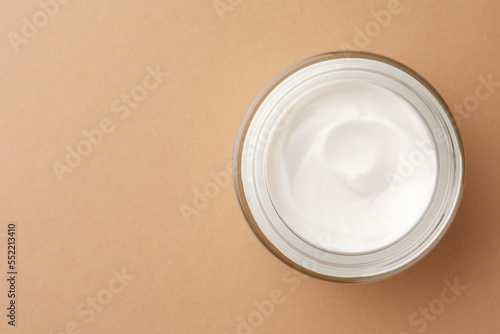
column 120, row 207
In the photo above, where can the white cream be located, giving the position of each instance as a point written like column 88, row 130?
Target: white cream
column 351, row 168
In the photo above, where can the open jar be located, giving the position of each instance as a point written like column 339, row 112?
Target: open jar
column 349, row 167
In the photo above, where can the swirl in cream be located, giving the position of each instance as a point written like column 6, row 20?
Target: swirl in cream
column 353, row 170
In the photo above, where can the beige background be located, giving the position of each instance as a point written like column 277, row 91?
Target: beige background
column 120, row 208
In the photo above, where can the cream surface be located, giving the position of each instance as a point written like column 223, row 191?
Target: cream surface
column 353, row 169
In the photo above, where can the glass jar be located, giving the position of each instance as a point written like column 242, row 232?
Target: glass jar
column 267, row 117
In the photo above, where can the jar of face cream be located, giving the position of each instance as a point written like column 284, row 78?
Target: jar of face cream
column 349, row 167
